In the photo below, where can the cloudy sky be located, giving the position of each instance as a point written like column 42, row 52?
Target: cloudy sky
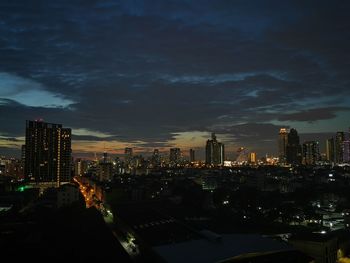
column 162, row 73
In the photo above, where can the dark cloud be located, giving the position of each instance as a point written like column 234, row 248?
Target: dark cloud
column 142, row 71
column 313, row 115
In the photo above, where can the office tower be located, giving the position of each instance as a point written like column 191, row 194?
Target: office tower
column 155, row 160
column 175, row 156
column 23, row 154
column 214, row 152
column 252, row 158
column 105, row 157
column 330, row 150
column 47, row 152
column 192, row 156
column 128, row 153
column 80, row 167
column 346, row 147
column 293, row 148
column 105, row 171
column 311, row 153
column 339, row 147
column 282, row 145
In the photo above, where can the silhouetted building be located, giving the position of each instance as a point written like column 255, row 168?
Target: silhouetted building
column 293, row 148
column 214, row 152
column 346, row 148
column 330, row 150
column 23, row 154
column 282, row 145
column 175, row 156
column 105, row 171
column 105, row 157
column 339, row 147
column 47, row 152
column 310, row 152
column 128, row 153
column 192, row 156
column 155, row 158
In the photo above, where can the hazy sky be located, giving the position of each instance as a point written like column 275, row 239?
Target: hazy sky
column 164, row 73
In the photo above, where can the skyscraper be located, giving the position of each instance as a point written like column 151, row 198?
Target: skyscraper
column 47, row 152
column 192, row 156
column 311, row 153
column 214, row 152
column 346, row 147
column 128, row 153
column 339, row 147
column 330, row 153
column 282, row 145
column 80, row 167
column 155, row 158
column 175, row 156
column 252, row 158
column 293, row 148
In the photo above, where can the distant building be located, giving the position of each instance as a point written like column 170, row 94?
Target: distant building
column 214, row 152
column 80, row 167
column 155, row 158
column 192, row 155
column 252, row 158
column 330, row 150
column 346, row 147
column 47, row 152
column 339, row 147
column 105, row 157
column 175, row 156
column 311, row 153
column 105, row 169
column 282, row 145
column 293, row 148
column 128, row 155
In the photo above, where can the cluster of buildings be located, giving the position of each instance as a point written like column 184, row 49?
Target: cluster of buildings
column 47, row 156
column 291, row 151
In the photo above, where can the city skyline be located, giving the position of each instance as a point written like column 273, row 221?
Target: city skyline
column 167, row 75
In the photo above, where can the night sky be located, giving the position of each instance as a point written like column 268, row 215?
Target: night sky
column 156, row 74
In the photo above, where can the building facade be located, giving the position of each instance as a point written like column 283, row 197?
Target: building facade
column 47, row 152
column 311, row 153
column 330, row 150
column 293, row 148
column 214, row 152
column 282, row 145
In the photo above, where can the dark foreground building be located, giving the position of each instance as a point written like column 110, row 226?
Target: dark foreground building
column 47, row 152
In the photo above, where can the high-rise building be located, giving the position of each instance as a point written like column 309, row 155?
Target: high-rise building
column 282, row 145
column 311, row 153
column 330, row 150
column 80, row 167
column 105, row 172
column 155, row 158
column 128, row 153
column 339, row 147
column 105, row 157
column 192, row 155
column 293, row 148
column 252, row 158
column 346, row 147
column 47, row 152
column 175, row 156
column 214, row 152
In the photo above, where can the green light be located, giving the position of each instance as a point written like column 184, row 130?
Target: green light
column 21, row 189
